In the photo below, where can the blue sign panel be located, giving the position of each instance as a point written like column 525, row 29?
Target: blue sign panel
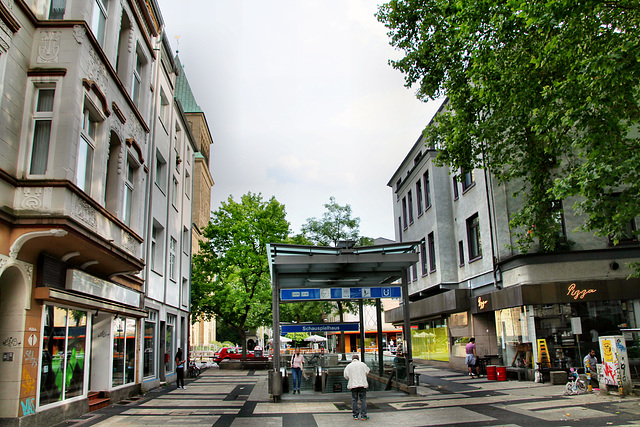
column 324, row 327
column 306, row 294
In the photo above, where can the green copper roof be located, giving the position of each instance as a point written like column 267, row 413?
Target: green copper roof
column 184, row 92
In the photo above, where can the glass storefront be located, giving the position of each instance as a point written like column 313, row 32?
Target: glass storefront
column 169, row 342
column 124, row 351
column 514, row 341
column 430, row 341
column 64, row 343
column 149, row 344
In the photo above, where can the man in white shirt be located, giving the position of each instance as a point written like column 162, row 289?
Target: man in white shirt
column 356, row 372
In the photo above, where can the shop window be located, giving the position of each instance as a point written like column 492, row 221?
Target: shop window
column 170, row 342
column 419, row 196
column 124, row 351
column 430, row 341
column 513, row 337
column 62, row 365
column 149, row 351
column 473, row 237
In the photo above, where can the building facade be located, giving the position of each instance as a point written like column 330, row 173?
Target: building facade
column 84, row 89
column 471, row 281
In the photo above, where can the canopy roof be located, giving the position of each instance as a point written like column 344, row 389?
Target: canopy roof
column 298, row 266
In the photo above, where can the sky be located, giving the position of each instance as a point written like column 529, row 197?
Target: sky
column 301, row 102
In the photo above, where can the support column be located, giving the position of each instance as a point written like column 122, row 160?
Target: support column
column 362, row 331
column 379, row 338
column 406, row 329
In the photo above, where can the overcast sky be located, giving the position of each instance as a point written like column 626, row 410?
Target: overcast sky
column 300, row 101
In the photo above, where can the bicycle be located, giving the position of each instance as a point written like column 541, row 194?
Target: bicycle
column 575, row 385
column 193, row 371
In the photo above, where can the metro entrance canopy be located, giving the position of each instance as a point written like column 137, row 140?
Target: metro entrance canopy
column 319, row 267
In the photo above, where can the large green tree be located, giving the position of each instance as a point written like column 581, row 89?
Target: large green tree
column 544, row 94
column 231, row 277
column 337, row 224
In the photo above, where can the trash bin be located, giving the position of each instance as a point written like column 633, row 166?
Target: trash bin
column 501, row 373
column 491, row 373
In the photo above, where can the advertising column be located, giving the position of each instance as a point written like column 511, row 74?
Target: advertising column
column 615, row 363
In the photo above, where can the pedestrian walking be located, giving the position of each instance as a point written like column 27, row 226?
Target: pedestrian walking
column 472, row 358
column 356, row 372
column 180, row 369
column 297, row 364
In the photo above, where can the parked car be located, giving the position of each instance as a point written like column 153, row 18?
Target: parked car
column 230, row 353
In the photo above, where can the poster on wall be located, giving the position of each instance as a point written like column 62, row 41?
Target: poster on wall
column 615, row 363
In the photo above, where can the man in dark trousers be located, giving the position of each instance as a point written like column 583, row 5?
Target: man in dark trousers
column 356, row 372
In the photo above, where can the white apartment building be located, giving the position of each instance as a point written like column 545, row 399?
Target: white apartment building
column 470, row 280
column 90, row 304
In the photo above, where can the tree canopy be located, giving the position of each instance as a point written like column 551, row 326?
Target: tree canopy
column 231, row 277
column 542, row 93
column 337, row 224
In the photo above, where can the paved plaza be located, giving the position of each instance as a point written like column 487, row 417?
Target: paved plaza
column 241, row 398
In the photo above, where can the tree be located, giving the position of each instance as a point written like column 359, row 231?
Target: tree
column 543, row 94
column 231, row 277
column 336, row 225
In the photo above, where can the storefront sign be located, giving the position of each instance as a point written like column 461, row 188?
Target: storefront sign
column 88, row 284
column 310, row 294
column 482, row 303
column 578, row 293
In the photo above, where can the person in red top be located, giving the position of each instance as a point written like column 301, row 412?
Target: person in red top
column 472, row 357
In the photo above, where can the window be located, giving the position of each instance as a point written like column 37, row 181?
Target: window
column 148, row 365
column 137, row 77
column 130, row 180
column 173, row 267
column 86, row 148
column 461, row 252
column 42, row 119
column 156, row 251
column 557, row 214
column 187, row 184
column 400, row 228
column 186, row 241
column 423, row 257
column 174, row 193
column 124, row 351
column 468, row 180
column 419, row 195
column 427, row 191
column 404, row 212
column 57, row 9
column 63, row 362
column 456, row 196
column 164, row 111
column 99, row 20
column 414, row 270
column 432, row 252
column 473, row 237
column 410, row 207
column 398, row 189
column 161, row 172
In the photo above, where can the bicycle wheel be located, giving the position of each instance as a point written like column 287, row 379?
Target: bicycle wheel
column 582, row 387
column 568, row 389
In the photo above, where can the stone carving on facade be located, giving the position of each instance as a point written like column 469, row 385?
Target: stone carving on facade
column 97, row 72
column 34, row 198
column 49, row 47
column 128, row 243
column 83, row 211
column 25, row 267
column 79, row 33
column 8, row 3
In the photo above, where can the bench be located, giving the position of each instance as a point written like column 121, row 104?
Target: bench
column 521, row 373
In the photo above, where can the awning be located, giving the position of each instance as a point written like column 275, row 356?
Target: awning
column 85, row 301
column 453, row 301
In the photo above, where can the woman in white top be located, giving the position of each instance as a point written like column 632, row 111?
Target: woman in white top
column 297, row 364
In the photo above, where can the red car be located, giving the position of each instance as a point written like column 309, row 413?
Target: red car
column 230, row 353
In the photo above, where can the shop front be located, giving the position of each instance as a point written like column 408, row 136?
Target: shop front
column 556, row 324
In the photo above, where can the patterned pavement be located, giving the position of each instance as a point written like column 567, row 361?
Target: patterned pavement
column 240, row 398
